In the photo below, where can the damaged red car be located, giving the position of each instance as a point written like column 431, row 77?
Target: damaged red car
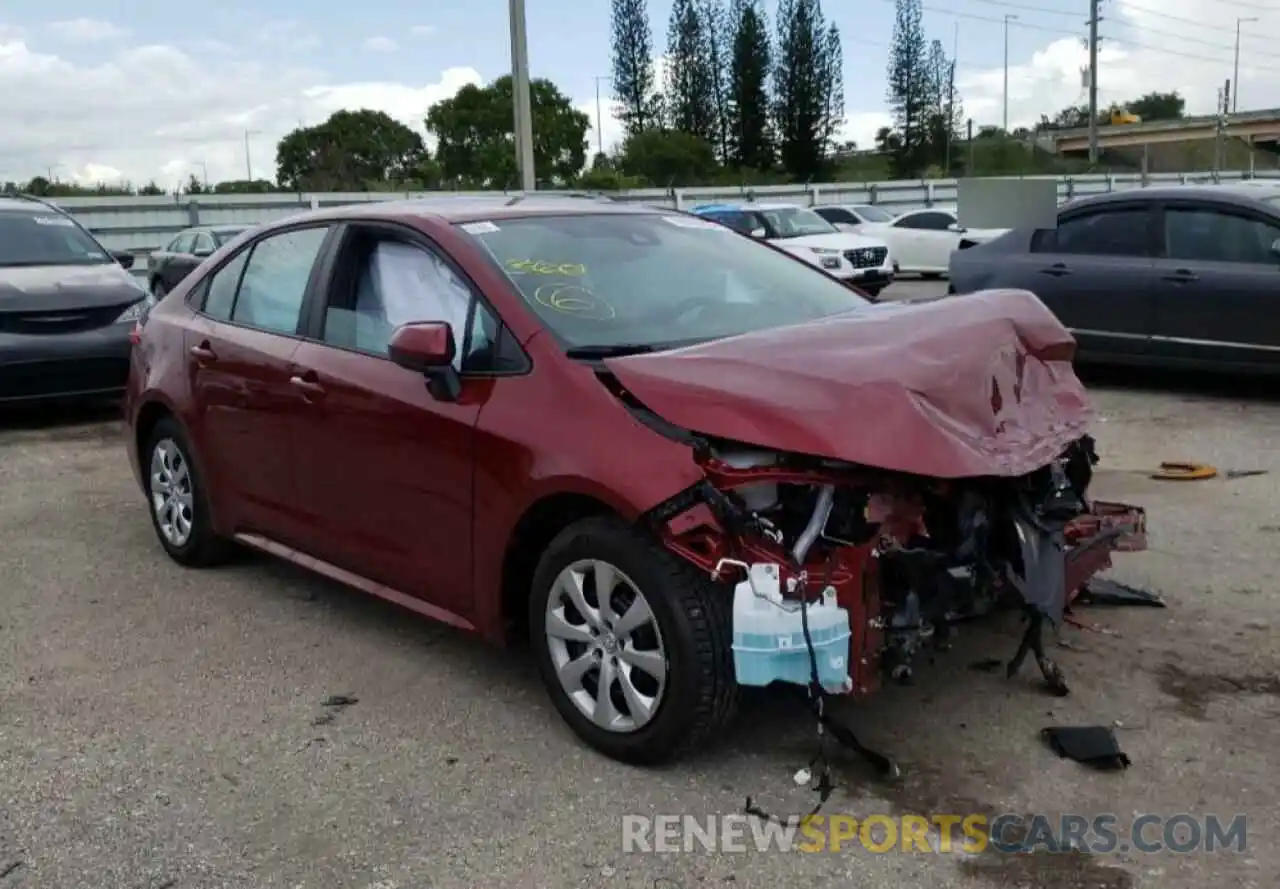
column 675, row 459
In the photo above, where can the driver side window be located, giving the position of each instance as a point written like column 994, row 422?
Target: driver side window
column 384, row 282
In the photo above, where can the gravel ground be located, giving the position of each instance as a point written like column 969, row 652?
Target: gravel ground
column 164, row 728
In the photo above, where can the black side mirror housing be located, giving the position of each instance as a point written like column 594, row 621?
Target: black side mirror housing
column 124, row 257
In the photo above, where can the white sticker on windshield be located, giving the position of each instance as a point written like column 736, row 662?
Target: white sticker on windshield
column 694, row 222
column 54, row 220
column 479, row 228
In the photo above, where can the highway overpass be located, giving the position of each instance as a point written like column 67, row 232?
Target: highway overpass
column 1259, row 128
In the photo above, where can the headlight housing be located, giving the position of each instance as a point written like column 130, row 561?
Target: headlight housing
column 136, row 311
column 825, row 251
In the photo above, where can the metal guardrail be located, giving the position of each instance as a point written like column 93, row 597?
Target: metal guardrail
column 143, row 223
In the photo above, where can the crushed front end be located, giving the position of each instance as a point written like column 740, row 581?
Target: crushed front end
column 905, row 557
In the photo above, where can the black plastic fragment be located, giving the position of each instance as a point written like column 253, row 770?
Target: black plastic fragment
column 1091, row 745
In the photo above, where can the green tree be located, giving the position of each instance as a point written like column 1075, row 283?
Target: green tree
column 475, row 133
column 351, row 151
column 668, row 158
column 1158, row 106
column 719, row 36
column 808, row 88
column 691, row 73
column 637, row 104
column 908, row 90
column 244, row 186
column 943, row 116
column 750, row 142
column 194, row 185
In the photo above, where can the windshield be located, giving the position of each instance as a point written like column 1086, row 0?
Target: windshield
column 223, row 235
column 873, row 214
column 46, row 239
column 796, row 222
column 601, row 280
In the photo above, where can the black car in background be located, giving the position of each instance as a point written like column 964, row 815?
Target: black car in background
column 67, row 306
column 1179, row 276
column 177, row 259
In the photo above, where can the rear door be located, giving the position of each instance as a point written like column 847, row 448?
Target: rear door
column 247, row 409
column 1096, row 272
column 1218, row 282
column 921, row 241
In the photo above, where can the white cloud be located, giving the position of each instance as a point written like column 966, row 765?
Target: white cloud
column 86, row 30
column 381, row 44
column 285, row 34
column 132, row 117
column 1151, row 47
column 423, row 30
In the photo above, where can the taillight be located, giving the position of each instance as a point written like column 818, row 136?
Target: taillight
column 135, row 335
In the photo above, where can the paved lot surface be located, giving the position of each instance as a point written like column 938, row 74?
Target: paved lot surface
column 165, row 728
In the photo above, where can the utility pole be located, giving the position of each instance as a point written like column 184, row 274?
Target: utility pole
column 1094, row 18
column 520, row 96
column 248, row 163
column 1235, row 74
column 1008, row 17
column 951, row 100
column 599, row 117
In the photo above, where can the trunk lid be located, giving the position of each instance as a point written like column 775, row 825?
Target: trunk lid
column 979, row 385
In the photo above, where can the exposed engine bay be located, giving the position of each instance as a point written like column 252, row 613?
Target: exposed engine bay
column 906, row 556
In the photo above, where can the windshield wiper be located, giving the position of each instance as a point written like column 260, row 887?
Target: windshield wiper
column 611, row 350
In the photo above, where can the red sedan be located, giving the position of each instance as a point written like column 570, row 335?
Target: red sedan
column 618, row 431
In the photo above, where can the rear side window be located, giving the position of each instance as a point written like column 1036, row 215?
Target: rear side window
column 734, row 219
column 182, row 243
column 221, row 290
column 836, row 214
column 926, row 221
column 275, row 280
column 1105, row 233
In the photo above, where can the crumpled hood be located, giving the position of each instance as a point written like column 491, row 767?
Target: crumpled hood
column 977, row 385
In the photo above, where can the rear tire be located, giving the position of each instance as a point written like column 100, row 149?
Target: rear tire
column 177, row 501
column 685, row 630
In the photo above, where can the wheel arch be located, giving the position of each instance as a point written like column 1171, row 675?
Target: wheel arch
column 537, row 526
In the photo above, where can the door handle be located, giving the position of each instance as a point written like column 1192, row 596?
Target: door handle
column 1182, row 276
column 1057, row 270
column 308, row 388
column 204, row 352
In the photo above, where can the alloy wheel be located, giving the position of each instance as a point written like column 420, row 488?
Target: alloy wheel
column 605, row 646
column 172, row 496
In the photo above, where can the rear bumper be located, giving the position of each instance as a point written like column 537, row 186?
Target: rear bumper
column 73, row 365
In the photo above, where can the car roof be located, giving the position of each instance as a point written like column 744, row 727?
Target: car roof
column 26, row 205
column 474, row 208
column 744, row 207
column 1242, row 194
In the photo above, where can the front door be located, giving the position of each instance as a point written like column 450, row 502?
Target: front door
column 387, row 471
column 240, row 349
column 1219, row 286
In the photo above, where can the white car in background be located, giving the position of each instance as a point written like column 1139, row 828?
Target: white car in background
column 921, row 241
column 865, row 261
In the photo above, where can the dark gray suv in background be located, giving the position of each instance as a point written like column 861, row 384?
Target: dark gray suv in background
column 67, row 306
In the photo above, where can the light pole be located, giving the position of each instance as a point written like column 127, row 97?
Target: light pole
column 599, row 130
column 1235, row 77
column 248, row 162
column 1008, row 17
column 520, row 96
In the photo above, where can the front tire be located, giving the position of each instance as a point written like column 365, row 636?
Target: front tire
column 660, row 637
column 179, row 504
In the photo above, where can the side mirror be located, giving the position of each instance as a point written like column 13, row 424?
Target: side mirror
column 758, row 233
column 428, row 348
column 124, row 257
column 201, row 252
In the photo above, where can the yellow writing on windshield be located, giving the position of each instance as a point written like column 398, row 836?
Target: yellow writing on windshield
column 576, row 300
column 539, row 267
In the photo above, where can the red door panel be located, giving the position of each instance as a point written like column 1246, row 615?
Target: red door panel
column 385, row 474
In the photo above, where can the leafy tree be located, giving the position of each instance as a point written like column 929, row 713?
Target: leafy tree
column 943, row 115
column 749, row 138
column 668, row 158
column 244, row 186
column 808, row 87
column 1158, row 106
column 475, row 134
column 908, row 89
column 691, row 72
column 194, row 185
column 637, row 104
column 351, row 151
column 719, row 36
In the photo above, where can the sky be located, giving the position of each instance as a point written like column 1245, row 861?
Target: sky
column 153, row 91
